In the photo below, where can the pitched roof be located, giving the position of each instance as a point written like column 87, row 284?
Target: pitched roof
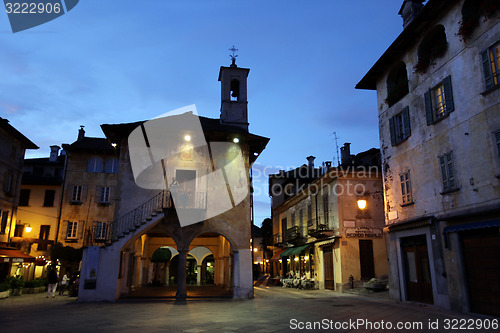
column 90, row 144
column 412, row 33
column 27, row 143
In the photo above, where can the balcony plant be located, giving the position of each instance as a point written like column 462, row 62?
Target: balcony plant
column 428, row 56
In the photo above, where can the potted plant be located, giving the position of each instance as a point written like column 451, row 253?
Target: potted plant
column 16, row 285
column 4, row 289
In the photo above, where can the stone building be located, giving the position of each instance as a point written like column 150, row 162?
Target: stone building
column 323, row 234
column 183, row 185
column 40, row 203
column 13, row 145
column 439, row 121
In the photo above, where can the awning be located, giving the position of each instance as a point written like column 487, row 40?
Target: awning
column 14, row 256
column 295, row 250
column 276, row 256
column 468, row 226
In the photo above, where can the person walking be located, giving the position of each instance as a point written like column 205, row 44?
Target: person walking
column 63, row 284
column 52, row 278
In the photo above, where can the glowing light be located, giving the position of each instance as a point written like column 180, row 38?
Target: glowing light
column 113, row 144
column 267, row 260
column 306, row 258
column 236, row 140
column 288, row 259
column 361, row 204
column 187, row 138
column 254, row 249
column 255, row 154
column 209, row 264
column 280, row 260
column 296, row 259
column 28, row 228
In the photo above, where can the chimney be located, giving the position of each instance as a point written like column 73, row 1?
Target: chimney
column 310, row 161
column 328, row 164
column 410, row 10
column 54, row 153
column 81, row 133
column 345, row 153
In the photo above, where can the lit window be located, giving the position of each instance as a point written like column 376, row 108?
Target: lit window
column 491, row 66
column 439, row 101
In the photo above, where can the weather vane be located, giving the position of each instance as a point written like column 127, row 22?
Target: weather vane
column 233, row 56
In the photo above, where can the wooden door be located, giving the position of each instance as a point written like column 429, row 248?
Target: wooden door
column 43, row 237
column 366, row 259
column 328, row 267
column 417, row 270
column 481, row 251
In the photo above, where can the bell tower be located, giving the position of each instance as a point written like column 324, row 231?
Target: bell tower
column 234, row 104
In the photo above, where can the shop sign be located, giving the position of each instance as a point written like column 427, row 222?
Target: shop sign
column 362, row 232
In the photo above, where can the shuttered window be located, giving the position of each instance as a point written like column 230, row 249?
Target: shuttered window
column 497, row 141
column 404, row 178
column 491, row 66
column 400, row 126
column 72, row 230
column 439, row 101
column 447, row 172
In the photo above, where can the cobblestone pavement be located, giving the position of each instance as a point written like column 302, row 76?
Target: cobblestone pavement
column 273, row 309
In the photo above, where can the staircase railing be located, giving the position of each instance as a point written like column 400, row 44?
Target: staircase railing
column 128, row 222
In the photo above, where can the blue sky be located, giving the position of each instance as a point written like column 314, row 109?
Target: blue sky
column 123, row 61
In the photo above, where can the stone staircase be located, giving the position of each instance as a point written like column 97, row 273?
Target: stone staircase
column 127, row 224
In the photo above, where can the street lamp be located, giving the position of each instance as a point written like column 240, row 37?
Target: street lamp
column 361, row 204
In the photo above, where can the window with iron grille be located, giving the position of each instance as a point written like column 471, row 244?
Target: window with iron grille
column 447, row 172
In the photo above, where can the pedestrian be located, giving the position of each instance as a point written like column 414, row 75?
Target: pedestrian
column 52, row 279
column 63, row 284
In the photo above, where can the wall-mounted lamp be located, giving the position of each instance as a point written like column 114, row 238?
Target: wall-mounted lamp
column 236, row 140
column 28, row 228
column 296, row 259
column 361, row 204
column 187, row 138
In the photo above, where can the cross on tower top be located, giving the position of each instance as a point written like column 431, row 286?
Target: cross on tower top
column 233, row 56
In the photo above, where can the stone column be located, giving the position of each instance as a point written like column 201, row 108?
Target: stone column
column 181, row 276
column 226, row 283
column 198, row 276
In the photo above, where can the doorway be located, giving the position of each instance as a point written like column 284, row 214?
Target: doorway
column 366, row 259
column 417, row 269
column 328, row 267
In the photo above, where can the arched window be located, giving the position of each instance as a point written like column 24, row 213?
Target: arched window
column 397, row 83
column 111, row 165
column 235, row 89
column 433, row 46
column 95, row 164
column 472, row 10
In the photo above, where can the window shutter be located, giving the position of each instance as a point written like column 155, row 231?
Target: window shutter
column 488, row 75
column 448, row 94
column 406, row 122
column 393, row 131
column 79, row 229
column 112, row 190
column 68, row 233
column 429, row 115
column 98, row 193
column 497, row 140
column 444, row 176
column 69, row 192
column 451, row 174
column 84, row 193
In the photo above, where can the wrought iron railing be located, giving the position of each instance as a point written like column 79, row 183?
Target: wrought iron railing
column 107, row 233
column 292, row 233
column 278, row 238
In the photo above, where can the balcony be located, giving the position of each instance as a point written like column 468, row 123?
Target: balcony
column 294, row 236
column 319, row 231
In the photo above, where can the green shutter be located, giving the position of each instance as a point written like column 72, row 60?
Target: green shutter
column 488, row 75
column 406, row 122
column 429, row 115
column 393, row 131
column 444, row 176
column 448, row 94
